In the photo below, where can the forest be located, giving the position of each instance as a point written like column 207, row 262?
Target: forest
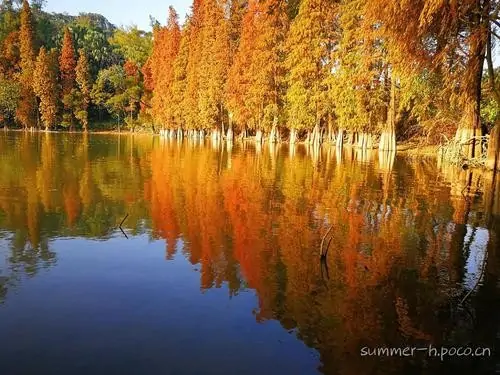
column 346, row 72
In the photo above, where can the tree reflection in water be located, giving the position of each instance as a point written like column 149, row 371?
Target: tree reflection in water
column 410, row 239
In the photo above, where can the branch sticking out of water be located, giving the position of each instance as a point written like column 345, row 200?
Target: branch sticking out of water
column 324, row 252
column 125, row 218
column 120, row 226
column 477, row 282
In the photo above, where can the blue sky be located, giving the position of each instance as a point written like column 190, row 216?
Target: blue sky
column 122, row 12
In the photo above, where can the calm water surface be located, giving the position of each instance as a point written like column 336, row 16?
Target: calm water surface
column 218, row 272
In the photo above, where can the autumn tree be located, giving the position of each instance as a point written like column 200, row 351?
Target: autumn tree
column 449, row 37
column 237, row 12
column 9, row 55
column 83, row 81
column 179, row 79
column 45, row 87
column 26, row 112
column 360, row 79
column 309, row 47
column 67, row 67
column 238, row 81
column 191, row 93
column 165, row 49
column 9, row 38
column 255, row 86
column 214, row 65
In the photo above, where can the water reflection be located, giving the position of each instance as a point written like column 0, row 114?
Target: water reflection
column 414, row 258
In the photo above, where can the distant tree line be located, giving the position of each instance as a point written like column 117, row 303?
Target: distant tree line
column 61, row 71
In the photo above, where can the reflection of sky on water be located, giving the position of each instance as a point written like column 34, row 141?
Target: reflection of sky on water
column 478, row 240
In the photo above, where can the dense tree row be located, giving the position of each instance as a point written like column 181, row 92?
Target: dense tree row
column 361, row 72
column 345, row 70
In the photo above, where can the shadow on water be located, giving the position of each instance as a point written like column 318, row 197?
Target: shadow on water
column 413, row 261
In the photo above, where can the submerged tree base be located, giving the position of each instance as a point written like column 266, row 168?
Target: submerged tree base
column 493, row 157
column 458, row 151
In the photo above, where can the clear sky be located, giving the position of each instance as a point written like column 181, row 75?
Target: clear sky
column 122, row 12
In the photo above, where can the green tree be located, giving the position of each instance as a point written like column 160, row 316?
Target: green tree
column 10, row 93
column 83, row 81
column 135, row 45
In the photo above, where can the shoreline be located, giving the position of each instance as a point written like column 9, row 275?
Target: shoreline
column 407, row 148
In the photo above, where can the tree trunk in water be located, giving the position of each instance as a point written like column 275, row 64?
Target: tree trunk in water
column 273, row 137
column 230, row 134
column 340, row 139
column 493, row 159
column 316, row 136
column 243, row 134
column 350, row 138
column 179, row 134
column 331, row 133
column 388, row 136
column 308, row 138
column 258, row 136
column 293, row 136
column 369, row 141
column 470, row 126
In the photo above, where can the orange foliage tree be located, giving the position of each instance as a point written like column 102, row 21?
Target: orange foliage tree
column 26, row 112
column 45, row 87
column 67, row 67
column 165, row 49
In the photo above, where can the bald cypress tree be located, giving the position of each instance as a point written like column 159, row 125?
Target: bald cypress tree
column 308, row 63
column 193, row 67
column 450, row 37
column 26, row 112
column 214, row 66
column 45, row 87
column 67, row 67
column 83, row 81
column 165, row 50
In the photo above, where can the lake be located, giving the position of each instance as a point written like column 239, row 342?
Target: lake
column 216, row 268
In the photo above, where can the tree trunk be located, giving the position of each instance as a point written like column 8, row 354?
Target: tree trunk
column 230, row 134
column 331, row 133
column 293, row 136
column 316, row 135
column 470, row 126
column 273, row 137
column 388, row 136
column 493, row 159
column 340, row 139
column 258, row 136
column 243, row 134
